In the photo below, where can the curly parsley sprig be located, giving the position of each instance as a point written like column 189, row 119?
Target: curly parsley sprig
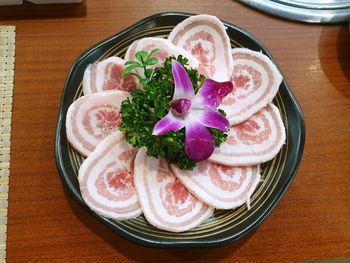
column 146, row 107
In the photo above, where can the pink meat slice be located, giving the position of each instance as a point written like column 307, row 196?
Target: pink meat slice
column 106, row 179
column 220, row 186
column 106, row 75
column 205, row 37
column 255, row 83
column 165, row 202
column 93, row 117
column 166, row 48
column 254, row 141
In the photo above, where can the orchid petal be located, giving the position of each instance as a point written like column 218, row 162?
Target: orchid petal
column 211, row 118
column 211, row 94
column 199, row 143
column 167, row 124
column 183, row 84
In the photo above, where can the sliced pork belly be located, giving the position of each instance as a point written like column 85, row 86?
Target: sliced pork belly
column 166, row 48
column 220, row 186
column 254, row 141
column 92, row 117
column 255, row 83
column 205, row 38
column 165, row 202
column 106, row 179
column 106, row 75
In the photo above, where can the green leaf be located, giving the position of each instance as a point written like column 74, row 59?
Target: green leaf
column 144, row 59
column 133, row 63
column 127, row 71
column 142, row 56
column 153, row 52
column 144, row 81
column 136, row 75
column 148, row 73
column 151, row 61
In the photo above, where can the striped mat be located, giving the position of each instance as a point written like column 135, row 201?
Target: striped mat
column 7, row 59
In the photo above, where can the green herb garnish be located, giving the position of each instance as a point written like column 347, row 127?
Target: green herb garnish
column 143, row 60
column 146, row 107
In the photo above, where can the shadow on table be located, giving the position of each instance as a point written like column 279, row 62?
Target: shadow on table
column 141, row 253
column 338, row 37
column 43, row 11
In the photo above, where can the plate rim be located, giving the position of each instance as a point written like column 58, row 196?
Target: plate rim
column 175, row 243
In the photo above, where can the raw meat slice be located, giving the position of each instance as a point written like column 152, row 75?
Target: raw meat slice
column 166, row 48
column 255, row 83
column 106, row 75
column 223, row 187
column 254, row 141
column 92, row 117
column 205, row 38
column 165, row 202
column 106, row 179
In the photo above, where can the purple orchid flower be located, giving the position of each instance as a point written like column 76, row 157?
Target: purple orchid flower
column 195, row 112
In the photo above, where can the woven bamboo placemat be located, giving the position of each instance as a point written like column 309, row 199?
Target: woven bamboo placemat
column 7, row 59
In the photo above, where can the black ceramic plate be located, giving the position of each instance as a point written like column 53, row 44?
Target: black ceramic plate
column 224, row 226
